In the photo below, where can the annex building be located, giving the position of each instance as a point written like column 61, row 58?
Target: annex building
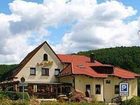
column 48, row 74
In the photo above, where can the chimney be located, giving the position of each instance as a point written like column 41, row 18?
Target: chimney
column 92, row 57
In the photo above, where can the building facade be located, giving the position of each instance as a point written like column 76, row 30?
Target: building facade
column 48, row 74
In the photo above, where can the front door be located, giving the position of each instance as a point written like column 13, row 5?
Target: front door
column 108, row 90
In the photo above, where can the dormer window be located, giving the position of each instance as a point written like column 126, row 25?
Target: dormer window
column 45, row 57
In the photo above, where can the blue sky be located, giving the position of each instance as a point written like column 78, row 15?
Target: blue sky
column 68, row 27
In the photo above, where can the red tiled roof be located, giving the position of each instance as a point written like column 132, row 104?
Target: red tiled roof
column 81, row 65
column 124, row 73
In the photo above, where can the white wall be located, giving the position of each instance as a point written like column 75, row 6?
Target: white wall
column 38, row 58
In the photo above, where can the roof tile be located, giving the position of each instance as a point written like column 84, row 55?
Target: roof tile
column 81, row 65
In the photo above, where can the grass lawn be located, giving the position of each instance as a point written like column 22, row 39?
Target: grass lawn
column 35, row 102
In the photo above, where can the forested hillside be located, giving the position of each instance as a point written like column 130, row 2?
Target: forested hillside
column 4, row 69
column 125, row 57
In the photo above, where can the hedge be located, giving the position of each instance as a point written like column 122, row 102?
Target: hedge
column 133, row 101
column 14, row 95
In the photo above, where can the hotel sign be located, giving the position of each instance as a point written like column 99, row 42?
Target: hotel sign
column 124, row 89
column 45, row 63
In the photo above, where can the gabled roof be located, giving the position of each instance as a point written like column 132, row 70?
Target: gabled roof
column 123, row 73
column 27, row 58
column 81, row 65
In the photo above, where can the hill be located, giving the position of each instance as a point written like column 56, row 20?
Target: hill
column 5, row 69
column 125, row 57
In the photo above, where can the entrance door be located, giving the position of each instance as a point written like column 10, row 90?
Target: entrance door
column 108, row 90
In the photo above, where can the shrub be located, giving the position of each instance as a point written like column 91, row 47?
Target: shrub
column 15, row 95
column 26, row 95
column 133, row 101
column 2, row 95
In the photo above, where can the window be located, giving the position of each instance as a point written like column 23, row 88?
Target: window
column 66, row 90
column 108, row 81
column 21, row 88
column 45, row 72
column 87, row 87
column 41, row 88
column 57, row 71
column 45, row 57
column 87, row 92
column 116, row 89
column 32, row 71
column 98, row 89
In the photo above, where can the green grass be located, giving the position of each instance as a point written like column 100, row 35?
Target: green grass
column 70, row 103
column 6, row 101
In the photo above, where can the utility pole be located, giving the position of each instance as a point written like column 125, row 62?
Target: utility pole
column 22, row 82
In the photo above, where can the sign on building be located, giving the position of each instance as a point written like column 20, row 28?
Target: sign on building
column 124, row 89
column 22, row 83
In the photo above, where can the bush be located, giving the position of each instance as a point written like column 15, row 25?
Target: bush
column 26, row 95
column 2, row 95
column 133, row 101
column 14, row 95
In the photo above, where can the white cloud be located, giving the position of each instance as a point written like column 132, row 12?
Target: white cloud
column 32, row 16
column 106, row 27
column 93, row 26
column 25, row 23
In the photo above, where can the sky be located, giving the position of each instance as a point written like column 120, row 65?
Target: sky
column 68, row 26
